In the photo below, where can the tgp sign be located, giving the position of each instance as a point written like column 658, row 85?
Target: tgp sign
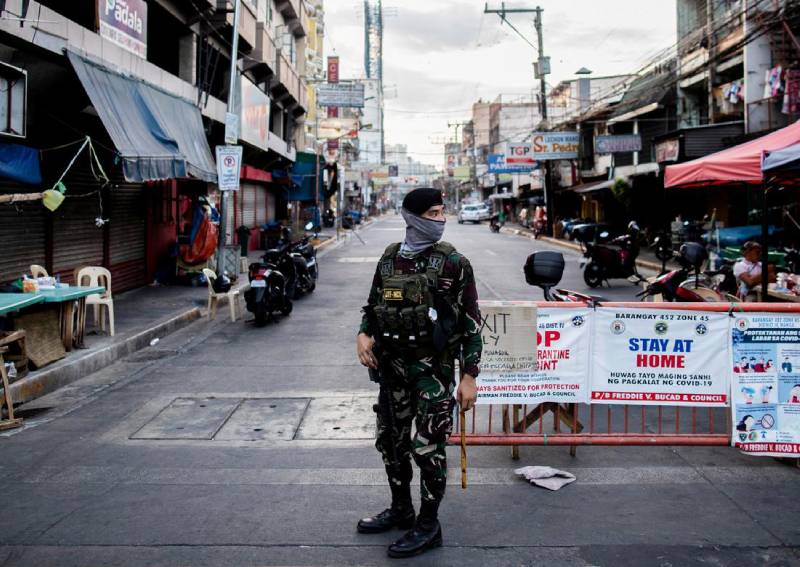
column 124, row 22
column 520, row 154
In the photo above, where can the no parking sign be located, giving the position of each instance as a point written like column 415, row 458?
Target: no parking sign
column 229, row 166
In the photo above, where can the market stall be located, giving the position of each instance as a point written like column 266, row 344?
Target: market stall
column 742, row 164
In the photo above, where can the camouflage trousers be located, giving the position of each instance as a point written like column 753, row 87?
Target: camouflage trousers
column 421, row 393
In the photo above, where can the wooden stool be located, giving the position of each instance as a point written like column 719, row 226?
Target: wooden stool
column 17, row 353
column 11, row 421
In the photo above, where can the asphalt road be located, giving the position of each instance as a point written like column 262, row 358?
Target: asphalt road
column 227, row 444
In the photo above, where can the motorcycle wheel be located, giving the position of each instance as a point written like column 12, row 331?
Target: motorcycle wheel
column 592, row 275
column 287, row 307
column 312, row 287
column 261, row 319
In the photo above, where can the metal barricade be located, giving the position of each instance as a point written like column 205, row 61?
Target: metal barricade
column 590, row 424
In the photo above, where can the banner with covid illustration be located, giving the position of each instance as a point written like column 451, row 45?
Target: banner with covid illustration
column 765, row 384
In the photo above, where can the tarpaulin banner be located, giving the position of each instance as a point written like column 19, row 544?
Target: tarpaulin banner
column 765, row 385
column 561, row 371
column 660, row 357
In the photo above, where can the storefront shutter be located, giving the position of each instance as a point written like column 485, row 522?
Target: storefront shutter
column 24, row 225
column 127, row 236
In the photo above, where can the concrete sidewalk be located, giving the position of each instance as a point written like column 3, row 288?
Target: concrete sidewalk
column 140, row 316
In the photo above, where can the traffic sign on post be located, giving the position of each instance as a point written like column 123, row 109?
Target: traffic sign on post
column 229, row 166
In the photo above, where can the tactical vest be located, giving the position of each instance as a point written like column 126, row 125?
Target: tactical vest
column 412, row 315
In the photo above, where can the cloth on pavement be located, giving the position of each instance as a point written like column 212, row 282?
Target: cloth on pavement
column 546, row 477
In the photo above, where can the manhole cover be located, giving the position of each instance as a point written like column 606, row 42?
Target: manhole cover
column 264, row 418
column 189, row 418
column 339, row 418
column 150, row 354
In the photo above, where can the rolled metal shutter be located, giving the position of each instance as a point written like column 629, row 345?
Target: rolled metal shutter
column 23, row 230
column 261, row 204
column 77, row 241
column 248, row 196
column 127, row 236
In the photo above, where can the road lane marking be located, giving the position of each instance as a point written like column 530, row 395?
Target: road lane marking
column 491, row 253
column 358, row 259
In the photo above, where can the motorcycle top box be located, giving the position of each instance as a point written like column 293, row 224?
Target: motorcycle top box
column 544, row 268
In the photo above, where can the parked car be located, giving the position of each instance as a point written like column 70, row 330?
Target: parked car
column 474, row 213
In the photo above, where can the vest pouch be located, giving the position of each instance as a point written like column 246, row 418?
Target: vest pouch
column 380, row 319
column 393, row 322
column 409, row 324
column 423, row 323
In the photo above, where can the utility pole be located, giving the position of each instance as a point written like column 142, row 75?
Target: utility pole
column 223, row 212
column 542, row 70
column 712, row 55
column 457, row 125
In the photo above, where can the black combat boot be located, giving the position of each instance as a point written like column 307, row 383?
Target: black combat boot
column 426, row 534
column 400, row 515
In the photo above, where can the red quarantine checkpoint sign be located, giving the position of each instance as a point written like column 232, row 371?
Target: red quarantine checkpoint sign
column 660, row 357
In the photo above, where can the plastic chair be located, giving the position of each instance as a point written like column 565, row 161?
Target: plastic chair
column 214, row 297
column 96, row 276
column 38, row 271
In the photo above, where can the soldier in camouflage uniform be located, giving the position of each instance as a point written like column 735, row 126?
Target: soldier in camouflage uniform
column 420, row 382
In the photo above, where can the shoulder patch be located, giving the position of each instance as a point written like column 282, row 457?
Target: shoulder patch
column 387, row 267
column 436, row 261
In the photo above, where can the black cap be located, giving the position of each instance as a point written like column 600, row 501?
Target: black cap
column 420, row 200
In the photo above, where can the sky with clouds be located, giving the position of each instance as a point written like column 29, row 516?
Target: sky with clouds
column 440, row 56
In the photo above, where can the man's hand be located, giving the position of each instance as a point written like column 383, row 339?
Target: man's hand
column 467, row 392
column 364, row 344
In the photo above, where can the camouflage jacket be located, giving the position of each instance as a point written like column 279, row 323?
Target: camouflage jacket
column 456, row 279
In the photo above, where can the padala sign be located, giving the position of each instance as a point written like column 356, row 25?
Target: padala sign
column 124, row 22
column 520, row 154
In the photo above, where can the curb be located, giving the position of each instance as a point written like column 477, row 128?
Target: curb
column 647, row 264
column 51, row 378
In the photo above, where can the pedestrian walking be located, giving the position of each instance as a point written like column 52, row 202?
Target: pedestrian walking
column 421, row 315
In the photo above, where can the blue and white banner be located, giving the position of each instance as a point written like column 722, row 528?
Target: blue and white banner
column 497, row 164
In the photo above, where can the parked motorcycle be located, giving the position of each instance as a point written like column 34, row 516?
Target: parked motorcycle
column 615, row 259
column 304, row 256
column 545, row 269
column 267, row 292
column 328, row 218
column 688, row 283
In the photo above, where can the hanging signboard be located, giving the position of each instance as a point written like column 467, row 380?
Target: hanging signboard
column 124, row 23
column 229, row 167
column 668, row 150
column 660, row 357
column 520, row 154
column 254, row 112
column 765, row 366
column 555, row 145
column 341, row 94
column 497, row 164
column 561, row 370
column 618, row 144
column 333, row 69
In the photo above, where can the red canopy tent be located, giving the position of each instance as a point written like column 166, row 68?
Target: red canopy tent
column 739, row 164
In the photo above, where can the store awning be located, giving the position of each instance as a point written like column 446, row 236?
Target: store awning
column 158, row 135
column 783, row 162
column 739, row 164
column 20, row 163
column 306, row 172
column 591, row 187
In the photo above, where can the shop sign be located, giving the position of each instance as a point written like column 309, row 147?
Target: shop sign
column 668, row 150
column 124, row 23
column 618, row 144
column 555, row 145
column 254, row 114
column 520, row 154
column 333, row 69
column 499, row 164
column 341, row 95
column 229, row 167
